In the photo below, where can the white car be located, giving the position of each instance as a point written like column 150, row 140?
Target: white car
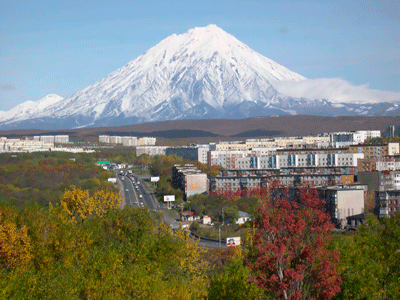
column 140, row 196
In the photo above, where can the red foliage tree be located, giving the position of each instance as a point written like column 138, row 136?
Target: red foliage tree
column 290, row 258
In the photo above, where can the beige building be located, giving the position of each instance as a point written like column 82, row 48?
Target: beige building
column 343, row 201
column 189, row 179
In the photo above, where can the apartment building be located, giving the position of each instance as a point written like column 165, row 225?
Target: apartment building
column 25, row 145
column 104, row 139
column 343, row 139
column 114, row 139
column 226, row 159
column 387, row 202
column 61, row 139
column 47, row 139
column 369, row 151
column 389, row 163
column 230, row 181
column 192, row 153
column 247, row 160
column 189, row 179
column 127, row 140
column 150, row 150
column 34, row 145
column 343, row 201
column 147, row 141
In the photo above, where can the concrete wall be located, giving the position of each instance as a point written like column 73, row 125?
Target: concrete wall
column 350, row 203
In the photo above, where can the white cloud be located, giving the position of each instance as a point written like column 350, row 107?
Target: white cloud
column 333, row 89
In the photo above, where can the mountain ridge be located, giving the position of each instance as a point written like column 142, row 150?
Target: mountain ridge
column 203, row 73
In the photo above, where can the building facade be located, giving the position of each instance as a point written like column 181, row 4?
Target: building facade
column 189, row 179
column 150, row 150
column 387, row 202
column 343, row 201
column 192, row 153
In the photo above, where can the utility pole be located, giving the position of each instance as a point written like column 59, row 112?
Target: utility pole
column 219, row 228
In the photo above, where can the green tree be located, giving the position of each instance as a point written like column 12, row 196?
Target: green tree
column 232, row 282
column 370, row 260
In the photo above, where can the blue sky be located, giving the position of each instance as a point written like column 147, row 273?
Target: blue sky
column 62, row 47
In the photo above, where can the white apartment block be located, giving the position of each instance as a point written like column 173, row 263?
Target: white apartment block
column 147, row 141
column 347, row 138
column 243, row 160
column 104, row 139
column 261, row 152
column 114, row 139
column 151, row 150
column 226, row 159
column 129, row 141
column 17, row 145
column 47, row 138
column 393, row 148
column 61, row 139
column 34, row 145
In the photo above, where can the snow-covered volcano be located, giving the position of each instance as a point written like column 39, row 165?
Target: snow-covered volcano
column 203, row 73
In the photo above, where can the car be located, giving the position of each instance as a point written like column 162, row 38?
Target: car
column 141, row 204
column 140, row 196
column 126, row 190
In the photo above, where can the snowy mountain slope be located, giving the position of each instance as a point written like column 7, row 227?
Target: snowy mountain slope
column 203, row 73
column 29, row 109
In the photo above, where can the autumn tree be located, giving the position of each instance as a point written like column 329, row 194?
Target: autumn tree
column 290, row 257
column 15, row 245
column 79, row 204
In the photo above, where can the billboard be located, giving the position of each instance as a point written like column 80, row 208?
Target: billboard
column 169, row 198
column 154, row 179
column 233, row 241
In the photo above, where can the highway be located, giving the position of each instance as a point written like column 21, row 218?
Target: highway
column 132, row 197
column 136, row 193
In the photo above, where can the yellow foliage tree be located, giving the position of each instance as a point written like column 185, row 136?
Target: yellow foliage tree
column 78, row 203
column 15, row 247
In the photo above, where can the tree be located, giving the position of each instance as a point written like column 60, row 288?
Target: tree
column 78, row 204
column 15, row 245
column 232, row 282
column 290, row 258
column 370, row 260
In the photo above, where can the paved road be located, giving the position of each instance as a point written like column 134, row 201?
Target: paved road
column 132, row 197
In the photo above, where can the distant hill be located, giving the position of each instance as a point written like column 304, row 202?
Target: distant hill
column 201, row 131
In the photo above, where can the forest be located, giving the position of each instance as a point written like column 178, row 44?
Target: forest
column 63, row 236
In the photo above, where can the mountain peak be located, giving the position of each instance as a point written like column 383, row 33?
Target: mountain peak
column 209, row 29
column 202, row 73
